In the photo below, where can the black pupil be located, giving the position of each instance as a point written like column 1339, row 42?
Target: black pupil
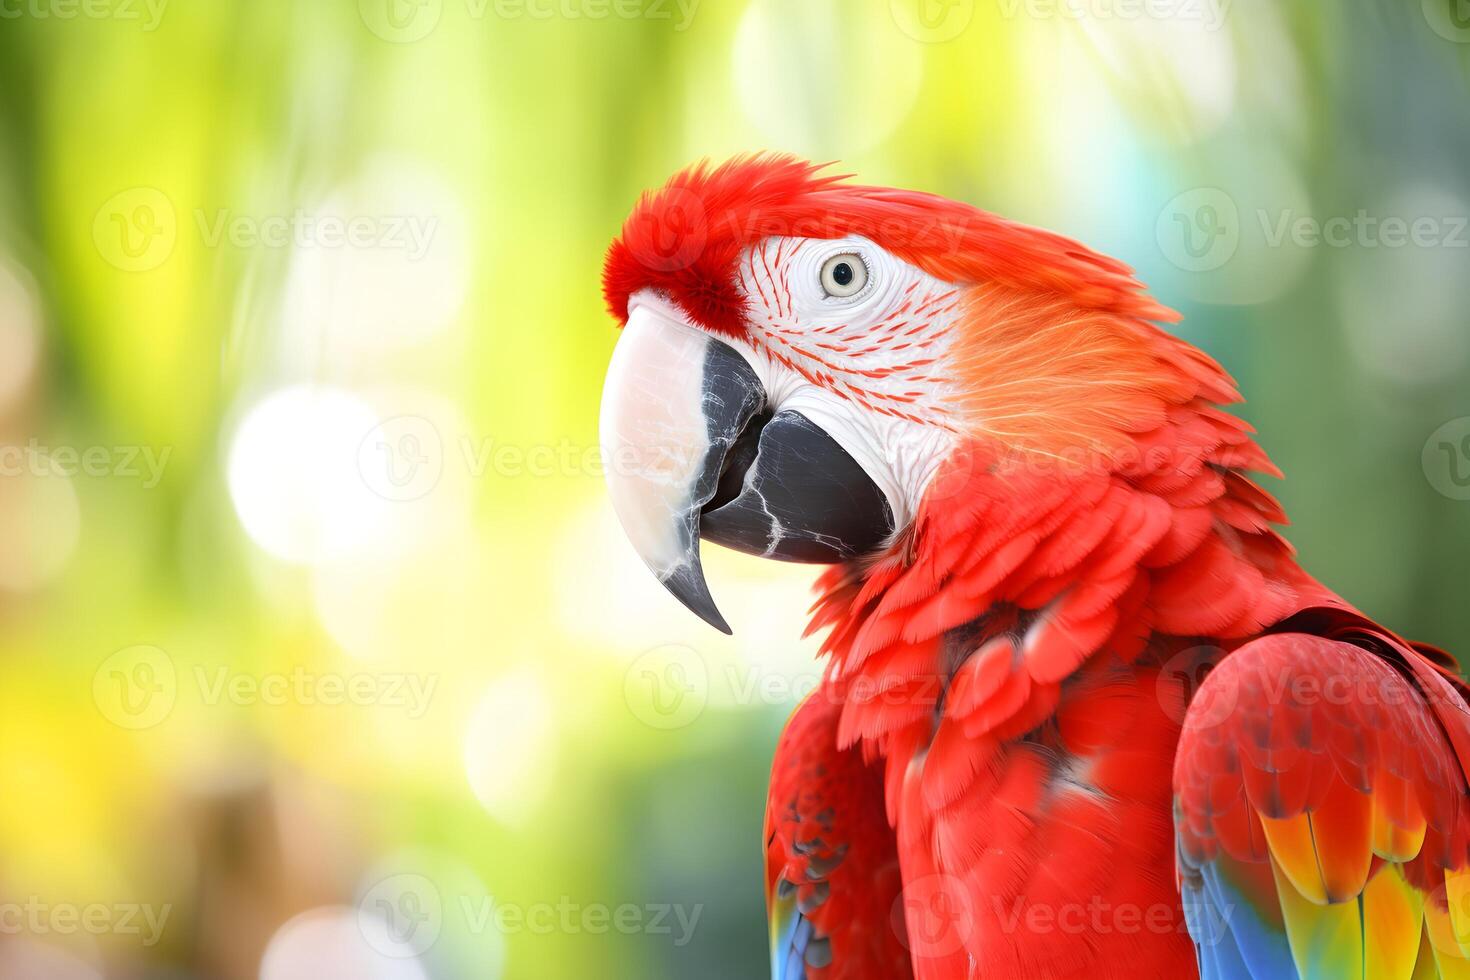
column 842, row 274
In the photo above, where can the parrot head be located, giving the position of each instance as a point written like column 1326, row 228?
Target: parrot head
column 802, row 356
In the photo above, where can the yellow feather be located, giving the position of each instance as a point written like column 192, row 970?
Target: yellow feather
column 1393, row 925
column 1457, row 896
column 1290, row 841
column 1448, row 955
column 1326, row 940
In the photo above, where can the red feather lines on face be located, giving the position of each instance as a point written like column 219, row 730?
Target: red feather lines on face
column 686, row 240
column 1054, row 353
column 869, row 363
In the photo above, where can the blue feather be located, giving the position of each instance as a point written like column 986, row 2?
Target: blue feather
column 1233, row 941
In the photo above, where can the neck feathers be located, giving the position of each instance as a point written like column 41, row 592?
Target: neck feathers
column 1030, row 563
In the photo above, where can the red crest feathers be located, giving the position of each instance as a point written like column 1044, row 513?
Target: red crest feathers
column 686, row 239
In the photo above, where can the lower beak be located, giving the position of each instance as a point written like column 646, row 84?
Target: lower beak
column 692, row 449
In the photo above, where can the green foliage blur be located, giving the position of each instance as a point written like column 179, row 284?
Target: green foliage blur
column 320, row 651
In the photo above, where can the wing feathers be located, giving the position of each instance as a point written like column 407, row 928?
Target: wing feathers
column 1318, row 759
column 832, row 875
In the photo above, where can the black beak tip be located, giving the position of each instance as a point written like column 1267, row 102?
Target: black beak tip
column 687, row 584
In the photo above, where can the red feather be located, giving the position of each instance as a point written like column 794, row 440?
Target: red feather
column 995, row 741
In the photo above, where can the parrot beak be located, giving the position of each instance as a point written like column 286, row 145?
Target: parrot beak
column 692, row 451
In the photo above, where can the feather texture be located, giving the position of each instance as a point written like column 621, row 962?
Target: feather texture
column 1086, row 717
column 832, row 878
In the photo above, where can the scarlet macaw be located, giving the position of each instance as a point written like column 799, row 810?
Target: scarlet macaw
column 1042, row 536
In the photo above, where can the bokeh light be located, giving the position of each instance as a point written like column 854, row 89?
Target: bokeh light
column 316, row 627
column 295, row 477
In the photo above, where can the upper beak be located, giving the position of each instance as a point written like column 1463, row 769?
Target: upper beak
column 692, row 448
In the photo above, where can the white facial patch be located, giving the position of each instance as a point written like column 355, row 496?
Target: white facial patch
column 868, row 367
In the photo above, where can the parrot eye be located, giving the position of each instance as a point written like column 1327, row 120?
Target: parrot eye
column 844, row 275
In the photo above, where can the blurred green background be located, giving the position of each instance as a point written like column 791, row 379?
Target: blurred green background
column 321, row 654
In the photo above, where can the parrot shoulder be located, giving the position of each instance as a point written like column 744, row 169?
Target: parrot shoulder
column 1320, row 808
